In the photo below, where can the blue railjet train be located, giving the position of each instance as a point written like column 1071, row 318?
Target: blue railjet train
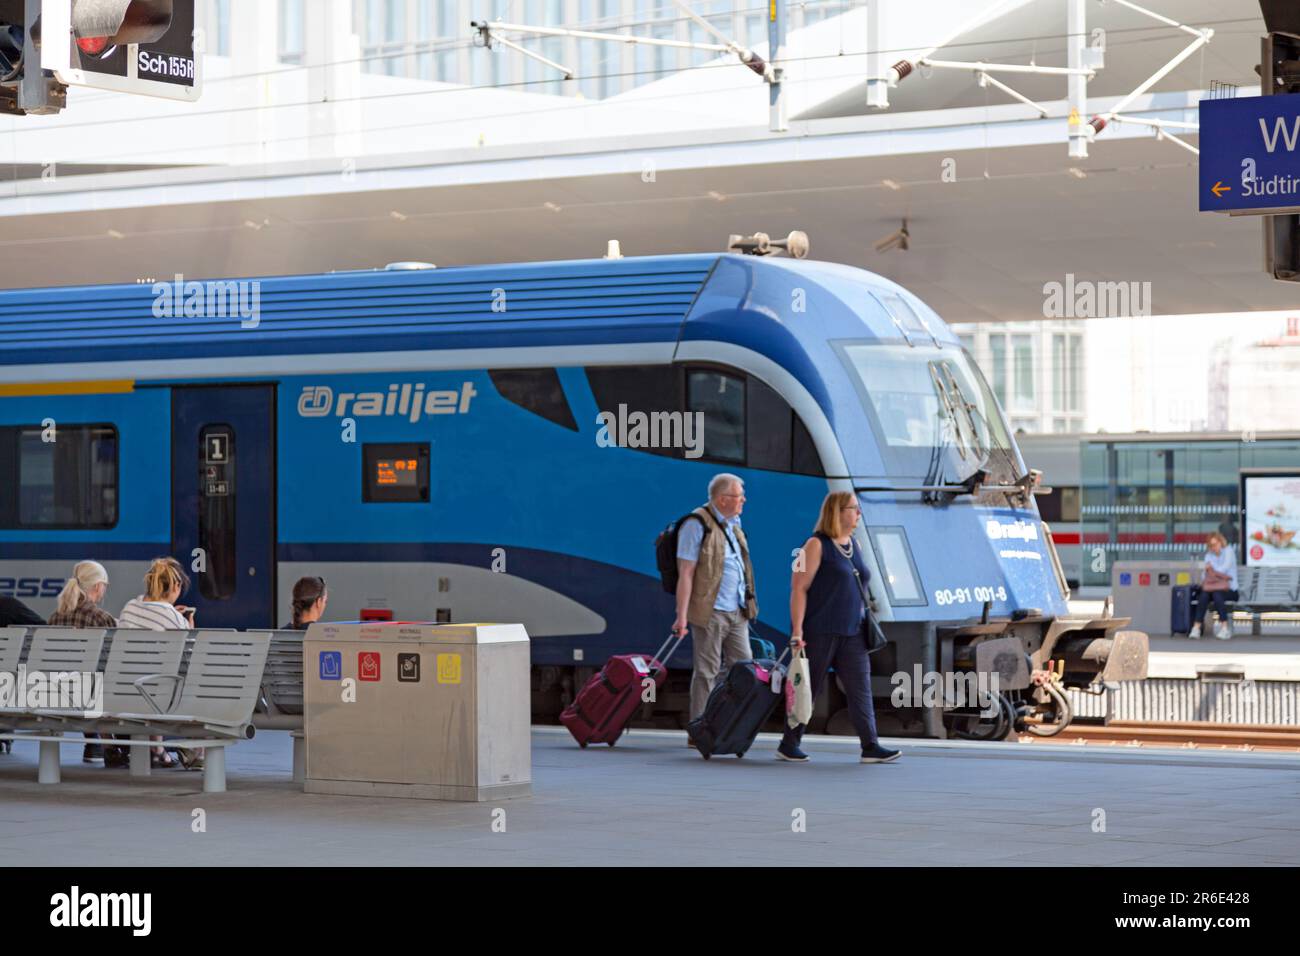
column 435, row 444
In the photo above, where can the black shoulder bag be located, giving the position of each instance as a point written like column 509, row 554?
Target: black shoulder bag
column 871, row 632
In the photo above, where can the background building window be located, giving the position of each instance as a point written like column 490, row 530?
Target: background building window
column 292, row 42
column 1023, row 346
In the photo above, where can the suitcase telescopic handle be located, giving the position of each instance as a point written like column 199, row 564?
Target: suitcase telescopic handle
column 675, row 640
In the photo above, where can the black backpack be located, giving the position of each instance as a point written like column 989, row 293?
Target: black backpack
column 666, row 550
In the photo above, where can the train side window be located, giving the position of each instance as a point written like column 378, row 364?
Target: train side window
column 66, row 476
column 537, row 390
column 895, row 560
column 647, row 389
column 770, row 425
column 217, row 460
column 1049, row 506
column 806, row 461
column 721, row 399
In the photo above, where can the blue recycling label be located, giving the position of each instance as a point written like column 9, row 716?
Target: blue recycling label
column 331, row 665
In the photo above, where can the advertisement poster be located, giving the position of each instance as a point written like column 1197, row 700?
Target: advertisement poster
column 1272, row 520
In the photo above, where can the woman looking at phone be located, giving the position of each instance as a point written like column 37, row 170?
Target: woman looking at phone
column 157, row 610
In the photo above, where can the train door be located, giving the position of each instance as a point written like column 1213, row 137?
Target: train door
column 223, row 501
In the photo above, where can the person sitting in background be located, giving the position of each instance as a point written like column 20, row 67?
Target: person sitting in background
column 1218, row 585
column 157, row 610
column 79, row 607
column 309, row 600
column 14, row 613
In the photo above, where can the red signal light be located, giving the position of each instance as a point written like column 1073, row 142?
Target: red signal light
column 92, row 45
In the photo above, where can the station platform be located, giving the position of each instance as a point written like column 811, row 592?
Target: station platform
column 652, row 801
column 1270, row 658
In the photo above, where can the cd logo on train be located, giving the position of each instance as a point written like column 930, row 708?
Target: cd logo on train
column 406, row 401
column 1018, row 531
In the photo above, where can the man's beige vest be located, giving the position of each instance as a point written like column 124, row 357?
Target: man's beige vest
column 708, row 570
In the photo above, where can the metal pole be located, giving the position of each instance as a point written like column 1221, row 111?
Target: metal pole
column 1076, row 40
column 776, row 11
column 877, row 84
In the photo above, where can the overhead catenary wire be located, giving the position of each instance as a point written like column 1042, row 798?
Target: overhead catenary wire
column 446, row 90
column 541, row 82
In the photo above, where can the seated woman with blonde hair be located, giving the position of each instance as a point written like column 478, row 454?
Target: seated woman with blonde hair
column 79, row 607
column 157, row 610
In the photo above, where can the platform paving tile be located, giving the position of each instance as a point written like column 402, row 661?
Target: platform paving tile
column 656, row 802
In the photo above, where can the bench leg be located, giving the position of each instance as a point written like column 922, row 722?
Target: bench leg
column 299, row 758
column 214, row 770
column 140, row 758
column 48, row 770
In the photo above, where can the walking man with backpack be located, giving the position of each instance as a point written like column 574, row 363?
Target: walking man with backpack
column 715, row 585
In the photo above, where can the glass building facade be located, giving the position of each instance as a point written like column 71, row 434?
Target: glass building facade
column 1158, row 498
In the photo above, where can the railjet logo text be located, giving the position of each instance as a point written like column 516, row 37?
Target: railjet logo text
column 400, row 401
column 75, row 909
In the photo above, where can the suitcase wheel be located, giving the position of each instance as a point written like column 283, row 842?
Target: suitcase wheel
column 611, row 742
column 739, row 755
column 582, row 744
column 705, row 756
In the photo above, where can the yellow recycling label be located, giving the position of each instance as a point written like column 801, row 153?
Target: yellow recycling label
column 448, row 668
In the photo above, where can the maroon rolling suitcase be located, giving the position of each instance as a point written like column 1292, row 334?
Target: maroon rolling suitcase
column 600, row 712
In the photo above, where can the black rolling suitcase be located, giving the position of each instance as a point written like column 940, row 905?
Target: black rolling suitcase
column 737, row 708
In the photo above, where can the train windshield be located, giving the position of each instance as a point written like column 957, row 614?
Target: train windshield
column 934, row 415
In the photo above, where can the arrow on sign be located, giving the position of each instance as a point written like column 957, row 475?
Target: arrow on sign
column 1219, row 189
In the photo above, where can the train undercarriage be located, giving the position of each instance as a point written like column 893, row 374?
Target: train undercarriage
column 985, row 680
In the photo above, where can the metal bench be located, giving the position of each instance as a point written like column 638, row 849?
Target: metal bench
column 210, row 705
column 1268, row 599
column 280, row 705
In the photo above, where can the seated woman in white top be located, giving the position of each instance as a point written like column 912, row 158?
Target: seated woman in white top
column 1219, row 585
column 156, row 609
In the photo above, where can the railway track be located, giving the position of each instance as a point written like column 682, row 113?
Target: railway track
column 1183, row 734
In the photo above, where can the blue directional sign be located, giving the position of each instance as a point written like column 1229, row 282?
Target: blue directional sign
column 1250, row 154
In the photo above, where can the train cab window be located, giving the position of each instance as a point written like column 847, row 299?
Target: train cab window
column 721, row 399
column 647, row 389
column 536, row 389
column 66, row 476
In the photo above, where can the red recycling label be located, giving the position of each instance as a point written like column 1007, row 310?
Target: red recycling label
column 368, row 665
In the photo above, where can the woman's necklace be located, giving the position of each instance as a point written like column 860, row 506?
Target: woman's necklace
column 847, row 552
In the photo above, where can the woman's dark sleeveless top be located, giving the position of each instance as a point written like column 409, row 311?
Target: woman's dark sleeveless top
column 835, row 605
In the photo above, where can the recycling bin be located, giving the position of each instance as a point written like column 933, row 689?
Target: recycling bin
column 412, row 709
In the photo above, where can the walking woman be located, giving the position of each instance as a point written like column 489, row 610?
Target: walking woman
column 79, row 607
column 828, row 612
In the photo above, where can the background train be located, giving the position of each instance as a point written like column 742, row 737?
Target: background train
column 427, row 441
column 1148, row 495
